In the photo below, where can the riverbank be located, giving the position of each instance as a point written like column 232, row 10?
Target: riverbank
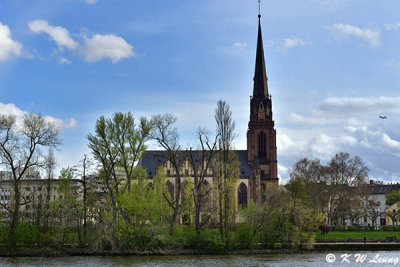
column 82, row 252
column 52, row 252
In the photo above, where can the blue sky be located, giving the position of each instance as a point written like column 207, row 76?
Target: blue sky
column 333, row 67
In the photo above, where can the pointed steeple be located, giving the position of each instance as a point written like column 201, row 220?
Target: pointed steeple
column 260, row 90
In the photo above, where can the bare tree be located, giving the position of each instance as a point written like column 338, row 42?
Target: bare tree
column 84, row 168
column 347, row 179
column 393, row 215
column 20, row 150
column 201, row 163
column 167, row 137
column 49, row 166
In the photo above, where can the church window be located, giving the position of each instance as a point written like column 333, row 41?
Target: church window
column 261, row 144
column 242, row 195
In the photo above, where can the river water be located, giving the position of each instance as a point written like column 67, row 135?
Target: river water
column 375, row 258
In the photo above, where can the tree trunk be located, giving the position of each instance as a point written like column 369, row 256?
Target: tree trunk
column 177, row 201
column 15, row 215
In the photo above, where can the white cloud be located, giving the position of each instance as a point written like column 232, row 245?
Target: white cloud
column 393, row 27
column 8, row 46
column 332, row 4
column 11, row 109
column 346, row 31
column 300, row 119
column 59, row 34
column 360, row 106
column 64, row 60
column 350, row 125
column 240, row 45
column 91, row 2
column 292, row 42
column 107, row 46
column 94, row 49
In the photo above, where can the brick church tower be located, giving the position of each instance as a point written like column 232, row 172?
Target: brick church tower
column 261, row 133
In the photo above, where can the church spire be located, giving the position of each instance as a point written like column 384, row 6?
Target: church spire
column 260, row 90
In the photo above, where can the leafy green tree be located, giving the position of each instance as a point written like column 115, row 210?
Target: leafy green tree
column 227, row 182
column 227, row 171
column 105, row 152
column 144, row 212
column 282, row 219
column 392, row 197
column 65, row 209
column 129, row 139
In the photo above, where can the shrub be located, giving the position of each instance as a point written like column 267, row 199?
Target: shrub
column 338, row 228
column 244, row 236
column 211, row 240
column 324, row 228
column 26, row 234
column 184, row 236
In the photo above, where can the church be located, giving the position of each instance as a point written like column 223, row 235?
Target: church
column 258, row 164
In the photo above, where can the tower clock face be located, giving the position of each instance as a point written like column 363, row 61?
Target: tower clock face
column 260, row 114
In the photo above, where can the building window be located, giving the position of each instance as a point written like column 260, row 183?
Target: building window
column 242, row 195
column 261, row 144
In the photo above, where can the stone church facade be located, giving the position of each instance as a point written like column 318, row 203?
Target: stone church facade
column 258, row 164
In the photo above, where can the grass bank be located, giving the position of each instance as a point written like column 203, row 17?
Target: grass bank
column 358, row 234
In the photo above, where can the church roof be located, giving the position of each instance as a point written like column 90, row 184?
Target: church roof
column 260, row 89
column 153, row 159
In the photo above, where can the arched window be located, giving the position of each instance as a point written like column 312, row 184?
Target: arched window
column 171, row 189
column 242, row 195
column 261, row 144
column 263, row 193
column 149, row 186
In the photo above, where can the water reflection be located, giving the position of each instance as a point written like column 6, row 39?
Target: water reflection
column 305, row 259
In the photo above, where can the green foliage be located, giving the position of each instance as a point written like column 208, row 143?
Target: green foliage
column 392, row 197
column 26, row 234
column 390, row 228
column 144, row 213
column 382, row 234
column 244, row 237
column 184, row 236
column 211, row 240
column 188, row 202
column 338, row 228
column 298, row 189
column 282, row 219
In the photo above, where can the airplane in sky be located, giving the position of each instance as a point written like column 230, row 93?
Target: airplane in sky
column 382, row 117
